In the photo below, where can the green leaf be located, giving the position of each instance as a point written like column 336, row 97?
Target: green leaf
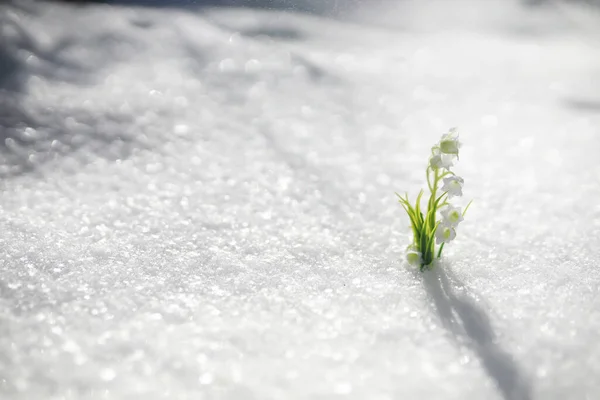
column 466, row 208
column 418, row 206
column 414, row 221
column 437, row 201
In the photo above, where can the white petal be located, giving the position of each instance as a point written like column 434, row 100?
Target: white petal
column 444, row 234
column 453, row 185
column 451, row 215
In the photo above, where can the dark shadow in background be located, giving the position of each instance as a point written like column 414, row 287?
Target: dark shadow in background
column 469, row 324
column 12, row 66
column 16, row 53
column 535, row 3
column 27, row 130
column 51, row 64
column 318, row 7
column 582, row 104
column 31, row 135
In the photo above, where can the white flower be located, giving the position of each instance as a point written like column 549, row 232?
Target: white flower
column 449, row 143
column 439, row 160
column 444, row 233
column 452, row 216
column 453, row 185
column 413, row 256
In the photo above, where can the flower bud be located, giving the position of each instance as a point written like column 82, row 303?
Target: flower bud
column 444, row 234
column 413, row 256
column 449, row 143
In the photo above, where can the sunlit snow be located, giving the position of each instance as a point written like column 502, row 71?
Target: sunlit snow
column 197, row 202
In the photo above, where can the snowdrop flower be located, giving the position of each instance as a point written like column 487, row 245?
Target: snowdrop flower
column 439, row 160
column 444, row 234
column 452, row 216
column 453, row 185
column 414, row 256
column 449, row 143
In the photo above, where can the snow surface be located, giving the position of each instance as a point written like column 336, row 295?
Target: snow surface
column 198, row 203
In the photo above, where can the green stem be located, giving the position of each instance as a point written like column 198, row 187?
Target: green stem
column 440, row 251
column 432, row 199
column 428, row 179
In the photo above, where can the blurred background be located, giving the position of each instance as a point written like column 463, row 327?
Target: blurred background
column 197, row 199
column 37, row 43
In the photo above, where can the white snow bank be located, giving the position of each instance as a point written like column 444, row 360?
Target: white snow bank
column 198, row 203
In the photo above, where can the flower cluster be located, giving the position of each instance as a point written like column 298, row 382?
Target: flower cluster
column 428, row 228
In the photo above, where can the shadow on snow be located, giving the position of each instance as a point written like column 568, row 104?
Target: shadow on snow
column 317, row 7
column 469, row 324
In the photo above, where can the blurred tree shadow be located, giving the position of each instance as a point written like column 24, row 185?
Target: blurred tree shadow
column 545, row 2
column 583, row 104
column 21, row 53
column 469, row 324
column 318, row 7
column 31, row 134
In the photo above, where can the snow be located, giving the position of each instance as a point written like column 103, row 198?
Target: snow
column 198, row 202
